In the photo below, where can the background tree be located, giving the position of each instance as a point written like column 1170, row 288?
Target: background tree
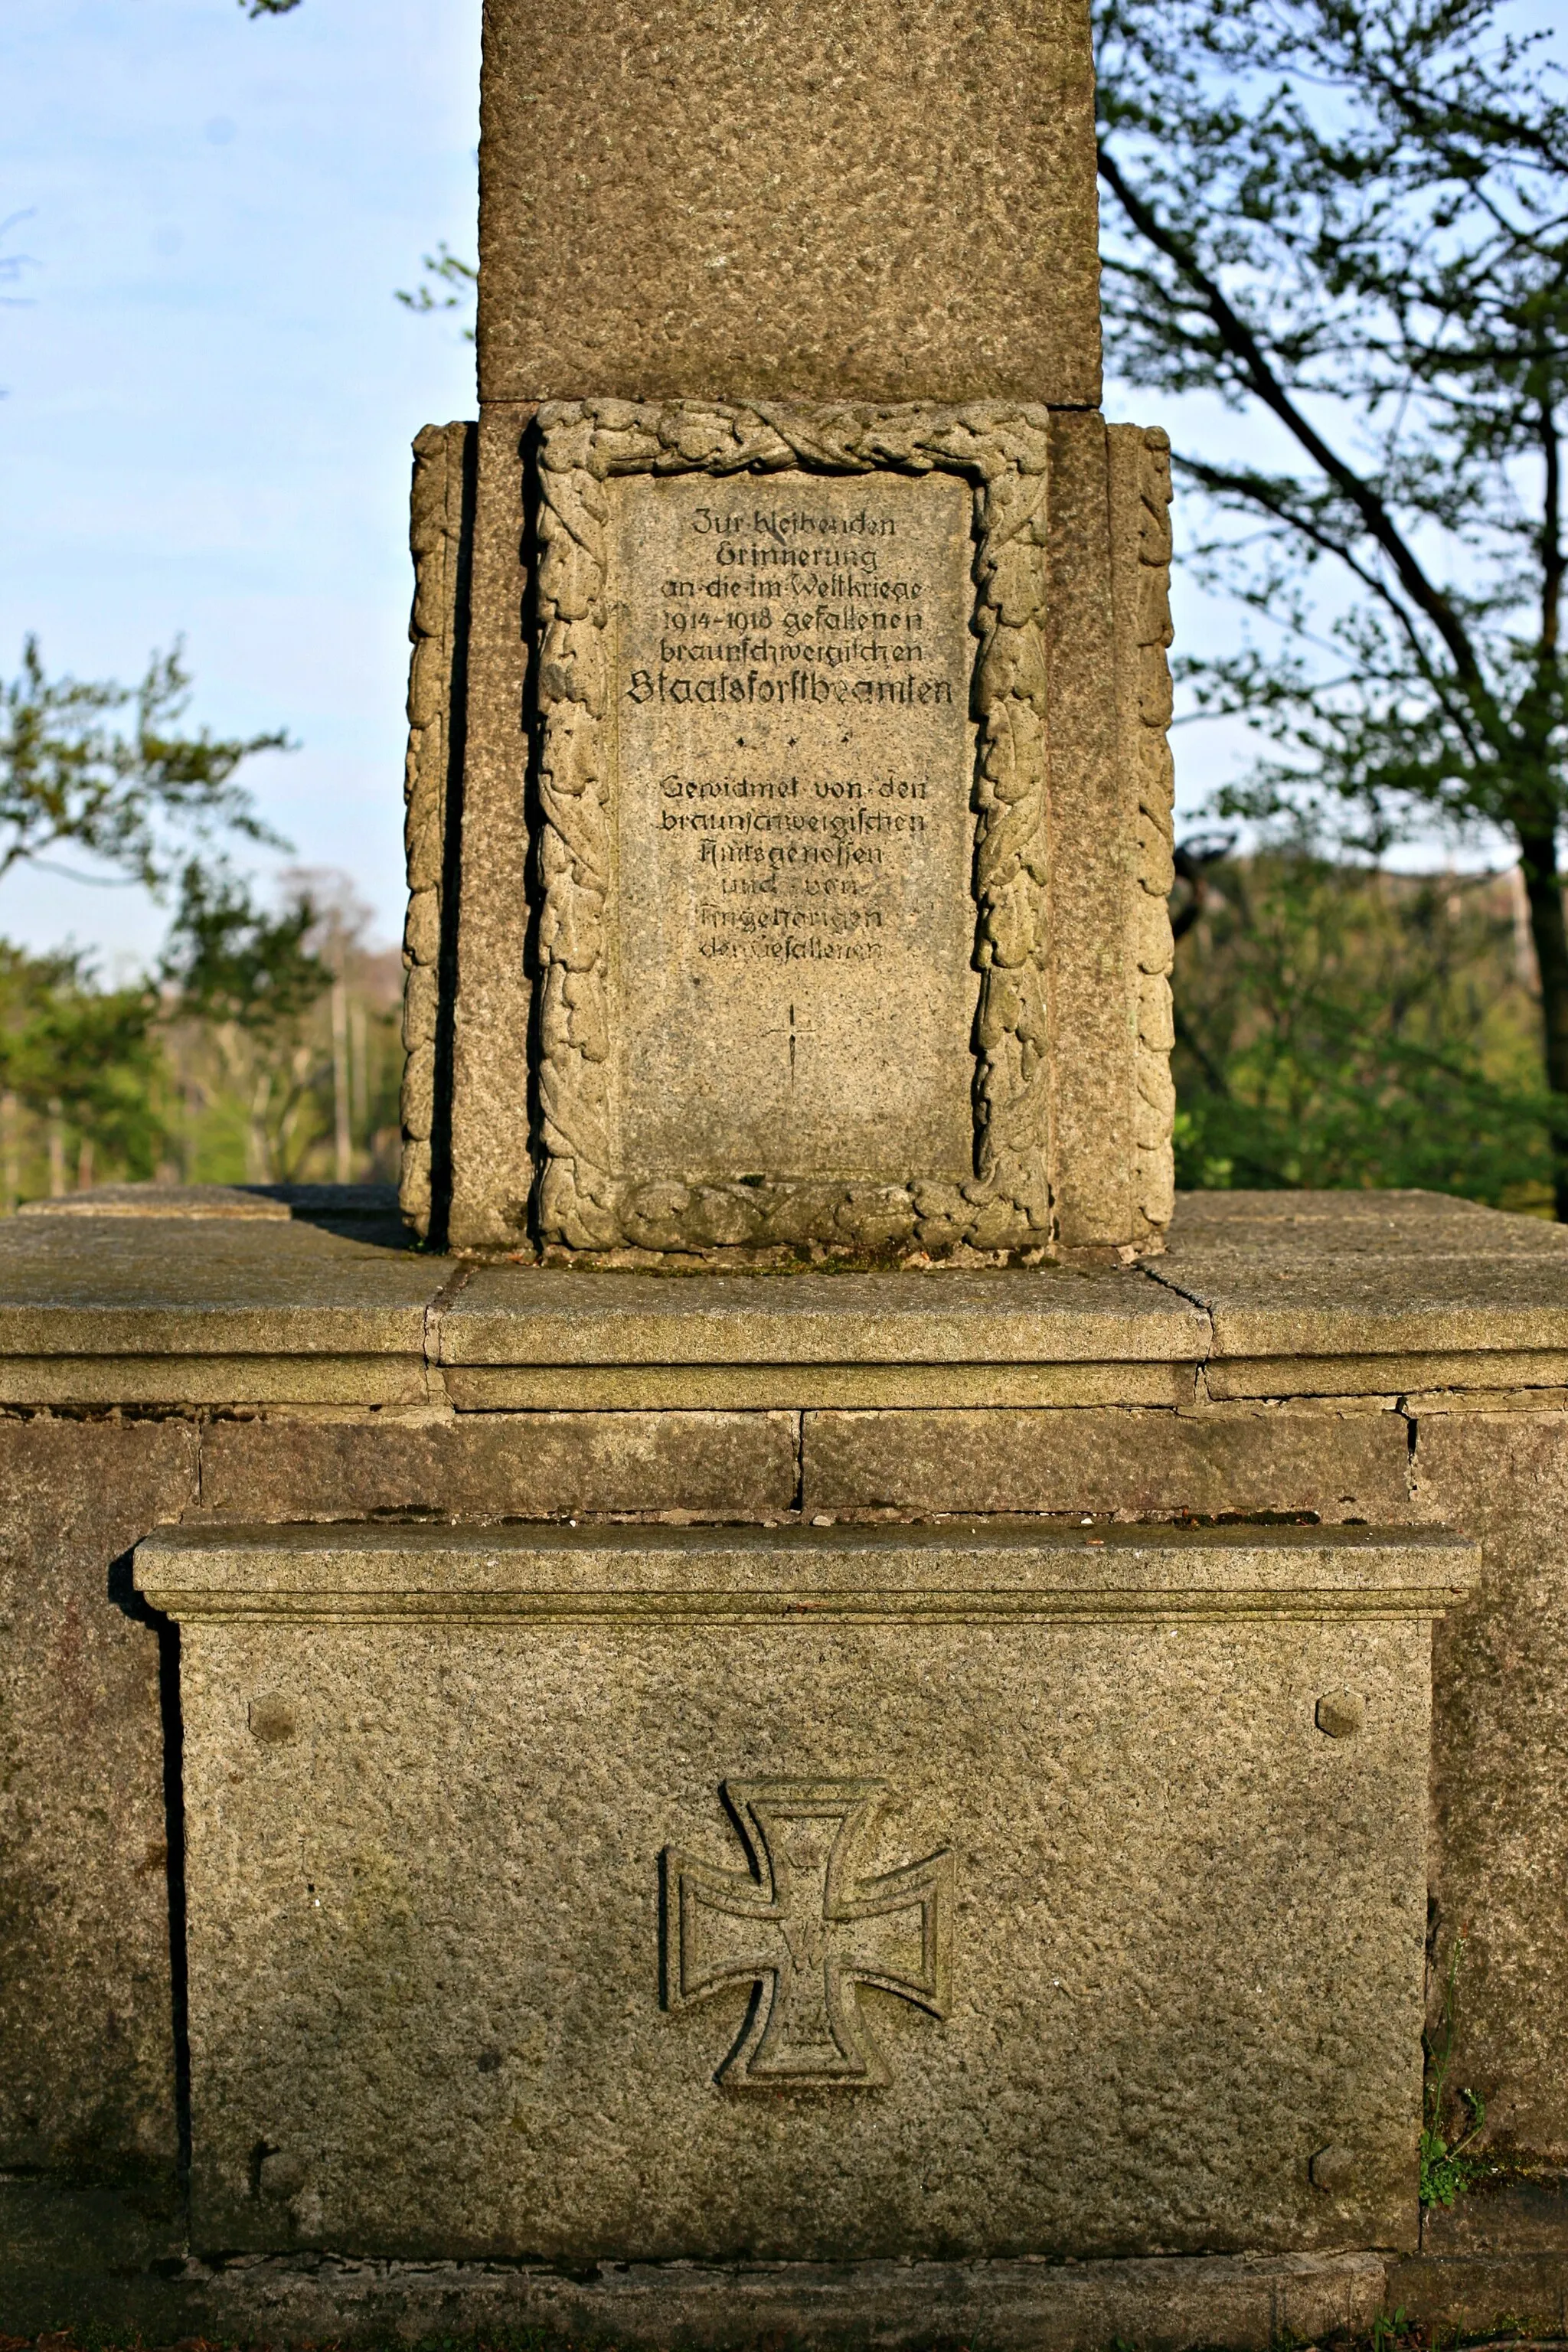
column 252, row 978
column 79, row 1066
column 132, row 797
column 1338, row 1024
column 449, row 283
column 1349, row 218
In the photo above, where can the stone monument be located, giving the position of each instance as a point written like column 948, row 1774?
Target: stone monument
column 727, row 1894
column 812, row 1801
column 789, row 803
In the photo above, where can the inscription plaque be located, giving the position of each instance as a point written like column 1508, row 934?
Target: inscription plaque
column 792, row 845
column 796, row 762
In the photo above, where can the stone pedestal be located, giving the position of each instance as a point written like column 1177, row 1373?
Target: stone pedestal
column 789, row 808
column 171, row 1365
column 804, row 1894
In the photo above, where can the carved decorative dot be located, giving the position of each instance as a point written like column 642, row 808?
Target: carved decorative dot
column 1332, row 2170
column 273, row 1721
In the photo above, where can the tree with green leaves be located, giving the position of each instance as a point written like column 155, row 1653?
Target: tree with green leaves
column 80, row 1064
column 131, row 796
column 449, row 283
column 253, row 978
column 1338, row 1024
column 1348, row 221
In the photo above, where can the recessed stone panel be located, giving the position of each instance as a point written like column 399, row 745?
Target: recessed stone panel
column 793, row 772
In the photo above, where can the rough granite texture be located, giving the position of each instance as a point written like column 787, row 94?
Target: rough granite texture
column 1243, row 2303
column 946, row 707
column 1472, row 1433
column 1064, row 1804
column 502, row 1465
column 87, row 2029
column 870, row 201
column 490, row 1173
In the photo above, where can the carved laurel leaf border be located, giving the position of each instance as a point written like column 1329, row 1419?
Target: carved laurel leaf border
column 1002, row 449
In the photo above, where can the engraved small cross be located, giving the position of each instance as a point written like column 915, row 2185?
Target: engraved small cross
column 805, row 1930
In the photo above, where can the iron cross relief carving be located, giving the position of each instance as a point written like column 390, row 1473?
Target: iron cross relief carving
column 805, row 1929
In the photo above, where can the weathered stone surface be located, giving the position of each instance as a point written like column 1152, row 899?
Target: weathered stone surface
column 83, row 2262
column 459, row 2038
column 1250, row 2302
column 164, row 1201
column 1504, row 2215
column 1387, row 1276
column 1501, row 1858
column 532, row 1316
column 491, row 1174
column 1132, row 1465
column 847, row 784
column 87, row 2051
column 679, row 1388
column 441, row 524
column 864, row 203
column 1481, row 2294
column 110, row 1288
column 516, row 1466
column 802, row 1000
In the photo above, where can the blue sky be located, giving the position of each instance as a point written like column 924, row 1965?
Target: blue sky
column 210, row 390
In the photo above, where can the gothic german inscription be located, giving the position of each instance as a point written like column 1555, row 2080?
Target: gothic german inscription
column 794, row 762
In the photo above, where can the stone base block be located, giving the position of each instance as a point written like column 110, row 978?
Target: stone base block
column 83, row 2263
column 729, row 1894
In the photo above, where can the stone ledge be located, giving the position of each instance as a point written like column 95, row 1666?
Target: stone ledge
column 1240, row 2301
column 984, row 1569
column 538, row 1317
column 1261, row 1295
column 81, row 2260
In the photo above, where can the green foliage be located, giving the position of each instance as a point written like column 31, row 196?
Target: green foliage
column 224, row 1065
column 71, row 778
column 1351, row 222
column 450, row 284
column 1338, row 1025
column 82, row 1057
column 231, row 962
column 1446, row 2171
column 215, row 1085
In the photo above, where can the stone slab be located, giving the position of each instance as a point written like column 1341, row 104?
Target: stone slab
column 112, row 1310
column 429, row 1778
column 1499, row 1730
column 869, row 203
column 87, row 2024
column 162, row 1201
column 1521, row 2296
column 1135, row 1465
column 84, row 2263
column 196, row 1378
column 491, row 1175
column 542, row 1316
column 758, row 1386
column 1393, row 1276
column 793, row 913
column 518, row 1465
column 1387, row 1376
column 133, row 1287
column 1506, row 2214
column 1000, row 1082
